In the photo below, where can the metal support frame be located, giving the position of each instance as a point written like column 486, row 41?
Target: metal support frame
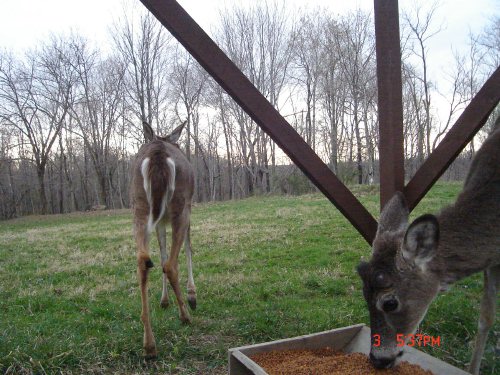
column 391, row 152
column 390, row 99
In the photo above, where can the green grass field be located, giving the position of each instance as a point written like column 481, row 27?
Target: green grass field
column 265, row 268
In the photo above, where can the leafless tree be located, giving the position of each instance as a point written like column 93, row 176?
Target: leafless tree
column 332, row 92
column 465, row 80
column 258, row 40
column 309, row 54
column 418, row 24
column 356, row 46
column 489, row 40
column 143, row 47
column 35, row 96
column 8, row 205
column 217, row 99
column 187, row 81
column 97, row 109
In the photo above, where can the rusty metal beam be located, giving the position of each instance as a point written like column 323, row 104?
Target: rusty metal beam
column 467, row 125
column 225, row 72
column 390, row 99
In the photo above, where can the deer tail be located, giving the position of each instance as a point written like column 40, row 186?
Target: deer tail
column 158, row 173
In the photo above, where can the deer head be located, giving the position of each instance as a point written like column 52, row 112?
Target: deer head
column 173, row 137
column 397, row 283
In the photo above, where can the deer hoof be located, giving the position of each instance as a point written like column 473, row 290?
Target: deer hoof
column 192, row 302
column 164, row 303
column 150, row 352
column 185, row 319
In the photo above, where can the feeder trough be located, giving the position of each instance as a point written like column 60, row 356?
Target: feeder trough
column 350, row 339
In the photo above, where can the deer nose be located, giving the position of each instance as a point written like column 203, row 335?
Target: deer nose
column 382, row 362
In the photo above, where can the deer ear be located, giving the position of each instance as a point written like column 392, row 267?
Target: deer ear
column 176, row 133
column 149, row 134
column 363, row 269
column 421, row 240
column 394, row 216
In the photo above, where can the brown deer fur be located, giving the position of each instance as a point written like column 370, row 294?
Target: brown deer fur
column 161, row 192
column 411, row 264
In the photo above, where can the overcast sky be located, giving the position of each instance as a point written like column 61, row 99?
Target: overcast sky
column 24, row 23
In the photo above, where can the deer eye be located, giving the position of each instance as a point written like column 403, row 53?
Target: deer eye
column 381, row 280
column 390, row 305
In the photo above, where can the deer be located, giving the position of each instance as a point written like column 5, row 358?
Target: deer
column 162, row 186
column 411, row 264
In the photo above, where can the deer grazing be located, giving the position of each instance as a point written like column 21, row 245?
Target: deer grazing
column 161, row 191
column 411, row 264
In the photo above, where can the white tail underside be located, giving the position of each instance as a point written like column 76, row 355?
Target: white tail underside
column 167, row 196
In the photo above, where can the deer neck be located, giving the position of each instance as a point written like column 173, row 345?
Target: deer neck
column 468, row 243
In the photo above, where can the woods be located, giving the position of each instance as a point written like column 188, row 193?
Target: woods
column 71, row 111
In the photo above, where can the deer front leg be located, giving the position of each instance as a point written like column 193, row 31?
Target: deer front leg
column 179, row 227
column 487, row 316
column 161, row 234
column 191, row 289
column 144, row 263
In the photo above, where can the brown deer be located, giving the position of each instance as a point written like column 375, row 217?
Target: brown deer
column 162, row 190
column 411, row 264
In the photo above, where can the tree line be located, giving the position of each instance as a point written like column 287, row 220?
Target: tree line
column 71, row 111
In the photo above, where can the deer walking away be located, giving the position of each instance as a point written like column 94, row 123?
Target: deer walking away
column 411, row 264
column 162, row 191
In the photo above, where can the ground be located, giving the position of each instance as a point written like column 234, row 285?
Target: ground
column 265, row 268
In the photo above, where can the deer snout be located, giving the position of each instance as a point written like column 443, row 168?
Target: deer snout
column 384, row 362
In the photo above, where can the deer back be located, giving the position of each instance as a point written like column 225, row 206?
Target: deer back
column 472, row 224
column 162, row 171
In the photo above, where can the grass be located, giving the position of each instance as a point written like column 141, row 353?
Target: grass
column 265, row 268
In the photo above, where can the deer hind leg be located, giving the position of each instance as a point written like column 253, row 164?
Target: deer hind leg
column 487, row 316
column 191, row 289
column 161, row 234
column 144, row 263
column 179, row 228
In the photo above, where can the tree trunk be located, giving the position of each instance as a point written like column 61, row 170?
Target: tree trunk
column 40, row 171
column 359, row 156
column 14, row 209
column 85, row 181
column 101, row 191
column 61, row 171
column 229, row 156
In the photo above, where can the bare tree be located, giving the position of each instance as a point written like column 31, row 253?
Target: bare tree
column 489, row 40
column 35, row 96
column 419, row 26
column 465, row 81
column 356, row 46
column 143, row 47
column 309, row 52
column 258, row 40
column 9, row 195
column 219, row 100
column 97, row 110
column 187, row 80
column 332, row 92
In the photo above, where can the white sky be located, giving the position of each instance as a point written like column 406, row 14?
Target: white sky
column 24, row 23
